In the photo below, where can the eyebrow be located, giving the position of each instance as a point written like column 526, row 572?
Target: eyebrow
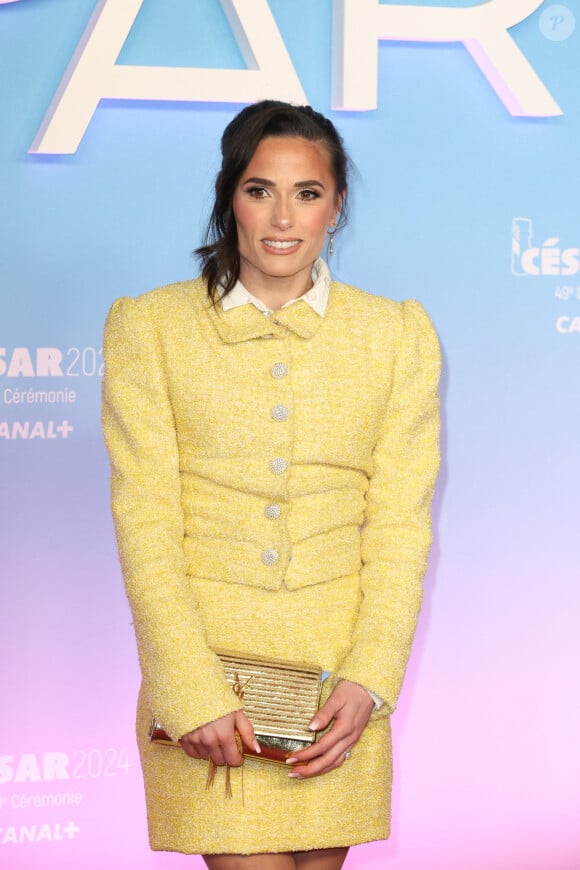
column 312, row 182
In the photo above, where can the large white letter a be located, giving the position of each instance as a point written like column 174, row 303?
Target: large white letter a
column 93, row 73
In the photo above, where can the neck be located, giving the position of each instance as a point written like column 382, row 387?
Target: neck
column 273, row 290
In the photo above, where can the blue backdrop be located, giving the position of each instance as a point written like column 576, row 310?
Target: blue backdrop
column 456, row 202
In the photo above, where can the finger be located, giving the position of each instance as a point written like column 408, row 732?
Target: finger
column 221, row 749
column 339, row 733
column 325, row 714
column 309, row 773
column 222, row 744
column 330, row 760
column 209, row 740
column 331, row 745
column 246, row 731
column 204, row 745
column 323, row 764
column 189, row 749
column 231, row 753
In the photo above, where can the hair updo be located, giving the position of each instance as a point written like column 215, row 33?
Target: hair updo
column 219, row 254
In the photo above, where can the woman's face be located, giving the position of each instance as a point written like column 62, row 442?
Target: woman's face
column 284, row 203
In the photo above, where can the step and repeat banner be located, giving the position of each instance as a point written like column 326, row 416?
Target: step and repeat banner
column 463, row 121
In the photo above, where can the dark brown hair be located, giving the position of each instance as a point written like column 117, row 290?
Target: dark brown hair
column 219, row 254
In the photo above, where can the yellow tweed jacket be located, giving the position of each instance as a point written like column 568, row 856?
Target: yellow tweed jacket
column 268, row 452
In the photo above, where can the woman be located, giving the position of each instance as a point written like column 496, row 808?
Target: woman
column 273, row 441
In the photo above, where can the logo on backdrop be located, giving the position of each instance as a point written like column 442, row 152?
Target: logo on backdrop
column 14, row 835
column 557, row 23
column 53, row 362
column 358, row 27
column 40, row 785
column 551, row 258
column 35, row 381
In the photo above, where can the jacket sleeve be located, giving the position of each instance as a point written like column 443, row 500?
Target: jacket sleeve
column 396, row 535
column 182, row 678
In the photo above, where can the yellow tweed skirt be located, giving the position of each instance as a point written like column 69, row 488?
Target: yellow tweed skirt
column 268, row 811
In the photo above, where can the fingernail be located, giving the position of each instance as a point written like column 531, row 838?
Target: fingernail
column 257, row 748
column 291, row 760
column 295, row 775
column 314, row 725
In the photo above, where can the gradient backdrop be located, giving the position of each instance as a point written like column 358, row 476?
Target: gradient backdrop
column 457, row 202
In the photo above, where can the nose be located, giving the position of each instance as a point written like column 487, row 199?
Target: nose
column 282, row 214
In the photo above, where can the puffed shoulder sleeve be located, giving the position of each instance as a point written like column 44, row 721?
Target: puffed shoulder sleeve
column 182, row 678
column 396, row 535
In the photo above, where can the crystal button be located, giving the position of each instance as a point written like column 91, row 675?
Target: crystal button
column 279, row 413
column 279, row 370
column 273, row 511
column 278, row 465
column 269, row 557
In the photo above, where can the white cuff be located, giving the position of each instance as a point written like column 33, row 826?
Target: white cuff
column 378, row 701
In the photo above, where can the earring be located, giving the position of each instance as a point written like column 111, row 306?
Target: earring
column 331, row 242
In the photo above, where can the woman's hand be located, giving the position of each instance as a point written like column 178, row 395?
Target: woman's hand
column 217, row 740
column 350, row 705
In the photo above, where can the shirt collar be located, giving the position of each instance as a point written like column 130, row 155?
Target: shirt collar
column 316, row 297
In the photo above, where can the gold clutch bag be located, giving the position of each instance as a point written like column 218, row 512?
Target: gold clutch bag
column 279, row 698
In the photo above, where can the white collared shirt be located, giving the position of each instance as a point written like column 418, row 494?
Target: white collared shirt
column 316, row 297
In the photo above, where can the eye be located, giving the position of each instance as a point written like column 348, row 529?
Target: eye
column 308, row 195
column 257, row 192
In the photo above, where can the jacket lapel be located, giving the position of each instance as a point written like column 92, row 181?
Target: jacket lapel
column 245, row 322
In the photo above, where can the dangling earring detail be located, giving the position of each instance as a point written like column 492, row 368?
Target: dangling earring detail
column 331, row 242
